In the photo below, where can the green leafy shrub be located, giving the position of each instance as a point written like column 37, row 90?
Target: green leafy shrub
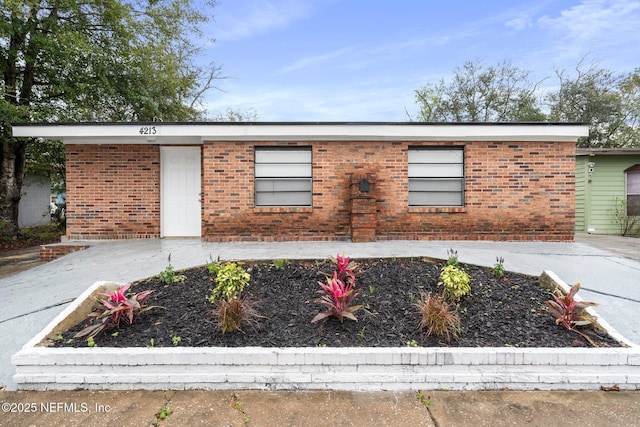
column 438, row 316
column 214, row 267
column 232, row 309
column 456, row 282
column 230, row 280
column 169, row 276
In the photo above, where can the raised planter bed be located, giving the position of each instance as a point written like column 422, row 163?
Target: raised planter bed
column 309, row 368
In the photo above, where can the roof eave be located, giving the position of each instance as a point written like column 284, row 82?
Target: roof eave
column 195, row 133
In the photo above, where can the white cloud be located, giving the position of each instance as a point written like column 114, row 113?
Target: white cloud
column 313, row 60
column 253, row 17
column 360, row 57
column 372, row 101
column 519, row 24
column 596, row 18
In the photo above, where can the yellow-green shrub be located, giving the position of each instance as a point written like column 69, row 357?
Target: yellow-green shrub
column 456, row 282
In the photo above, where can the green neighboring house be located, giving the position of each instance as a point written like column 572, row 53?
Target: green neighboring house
column 604, row 178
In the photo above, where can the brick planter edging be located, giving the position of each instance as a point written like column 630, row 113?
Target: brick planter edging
column 310, row 368
column 57, row 250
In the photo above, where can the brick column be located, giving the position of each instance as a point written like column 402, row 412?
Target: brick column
column 363, row 208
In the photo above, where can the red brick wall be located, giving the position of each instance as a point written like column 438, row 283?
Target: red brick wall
column 514, row 191
column 113, row 191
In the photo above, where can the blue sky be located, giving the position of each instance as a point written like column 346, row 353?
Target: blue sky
column 362, row 60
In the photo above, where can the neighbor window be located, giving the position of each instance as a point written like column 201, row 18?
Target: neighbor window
column 633, row 190
column 436, row 176
column 282, row 177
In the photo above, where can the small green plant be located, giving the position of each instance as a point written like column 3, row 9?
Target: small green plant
column 59, row 337
column 456, row 282
column 280, row 264
column 236, row 404
column 372, row 289
column 115, row 334
column 91, row 342
column 152, row 343
column 176, row 340
column 425, row 401
column 411, row 343
column 571, row 313
column 498, row 268
column 438, row 316
column 162, row 414
column 361, row 334
column 169, row 276
column 452, row 258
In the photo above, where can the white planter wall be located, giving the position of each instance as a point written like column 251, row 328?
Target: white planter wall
column 355, row 368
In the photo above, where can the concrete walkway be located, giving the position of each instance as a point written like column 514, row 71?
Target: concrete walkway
column 608, row 267
column 304, row 408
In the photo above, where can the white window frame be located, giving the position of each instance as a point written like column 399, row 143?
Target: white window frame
column 283, row 177
column 436, row 176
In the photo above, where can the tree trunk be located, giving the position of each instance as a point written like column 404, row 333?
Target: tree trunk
column 12, row 159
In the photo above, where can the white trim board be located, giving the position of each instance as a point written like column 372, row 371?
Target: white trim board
column 196, row 133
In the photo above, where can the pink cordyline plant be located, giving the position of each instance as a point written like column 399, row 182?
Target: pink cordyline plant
column 570, row 312
column 117, row 306
column 345, row 269
column 339, row 291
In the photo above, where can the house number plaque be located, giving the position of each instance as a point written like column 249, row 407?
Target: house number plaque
column 147, row 130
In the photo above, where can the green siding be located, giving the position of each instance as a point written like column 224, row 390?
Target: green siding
column 581, row 197
column 595, row 202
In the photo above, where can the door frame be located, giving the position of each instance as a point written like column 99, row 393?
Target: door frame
column 164, row 152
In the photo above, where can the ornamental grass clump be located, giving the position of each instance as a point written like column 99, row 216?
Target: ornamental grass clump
column 339, row 291
column 438, row 316
column 232, row 308
column 119, row 305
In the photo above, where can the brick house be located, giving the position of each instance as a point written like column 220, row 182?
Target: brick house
column 318, row 181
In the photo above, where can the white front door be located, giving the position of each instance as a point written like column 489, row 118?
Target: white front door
column 180, row 192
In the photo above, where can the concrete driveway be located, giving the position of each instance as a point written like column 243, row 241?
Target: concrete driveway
column 607, row 267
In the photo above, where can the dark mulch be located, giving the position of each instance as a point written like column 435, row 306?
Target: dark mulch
column 497, row 313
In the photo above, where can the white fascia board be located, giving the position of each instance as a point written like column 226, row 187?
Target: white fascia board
column 195, row 133
column 397, row 132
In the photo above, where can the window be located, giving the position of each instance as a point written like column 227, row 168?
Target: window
column 633, row 190
column 436, row 176
column 282, row 177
